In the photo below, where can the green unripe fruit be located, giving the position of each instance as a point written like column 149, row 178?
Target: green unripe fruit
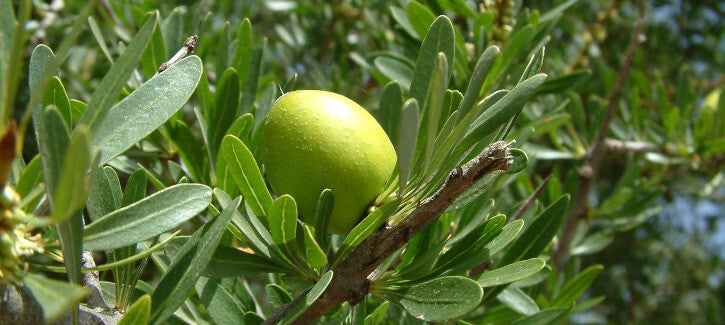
column 316, row 139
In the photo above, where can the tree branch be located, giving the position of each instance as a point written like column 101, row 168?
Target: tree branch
column 597, row 152
column 350, row 281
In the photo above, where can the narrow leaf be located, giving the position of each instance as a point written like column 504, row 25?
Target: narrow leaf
column 440, row 38
column 116, row 77
column 181, row 276
column 309, row 298
column 70, row 195
column 228, row 262
column 483, row 66
column 322, row 217
column 389, row 110
column 519, row 301
column 512, row 272
column 220, row 304
column 226, row 107
column 246, row 174
column 55, row 95
column 283, row 220
column 314, row 254
column 135, row 188
column 138, row 313
column 276, row 295
column 55, row 297
column 145, row 109
column 576, row 287
column 147, row 218
column 407, row 141
column 539, row 234
column 442, row 299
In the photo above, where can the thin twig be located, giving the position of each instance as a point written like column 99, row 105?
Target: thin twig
column 185, row 50
column 530, row 201
column 350, row 281
column 597, row 152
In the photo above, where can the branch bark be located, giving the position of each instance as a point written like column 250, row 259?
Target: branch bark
column 598, row 150
column 350, row 281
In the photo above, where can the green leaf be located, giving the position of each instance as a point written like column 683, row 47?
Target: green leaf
column 55, row 297
column 40, row 60
column 135, row 188
column 483, row 66
column 593, row 243
column 145, row 109
column 309, row 298
column 255, row 234
column 516, row 46
column 181, row 276
column 441, row 299
column 575, row 287
column 521, row 160
column 77, row 108
column 105, row 94
column 471, row 194
column 242, row 55
column 432, row 109
column 470, row 250
column 276, row 295
column 440, row 38
column 458, row 6
column 70, row 195
column 511, row 273
column 420, row 17
column 532, row 280
column 401, row 17
column 55, row 95
column 138, row 313
column 222, row 49
column 587, row 304
column 226, row 106
column 519, row 301
column 283, row 220
column 322, row 217
column 539, row 234
column 229, row 262
column 172, row 28
column 147, row 218
column 554, row 12
column 549, row 316
column 251, row 80
column 246, row 174
column 220, row 304
column 397, row 70
column 54, row 139
column 377, row 316
column 155, row 54
column 29, row 179
column 407, row 139
column 96, row 31
column 242, row 127
column 314, row 254
column 566, row 82
column 503, row 110
column 189, row 150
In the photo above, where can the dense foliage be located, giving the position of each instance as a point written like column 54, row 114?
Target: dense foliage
column 539, row 144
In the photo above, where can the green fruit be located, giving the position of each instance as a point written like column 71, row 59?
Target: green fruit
column 316, row 139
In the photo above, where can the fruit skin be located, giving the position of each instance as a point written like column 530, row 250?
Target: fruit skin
column 316, row 139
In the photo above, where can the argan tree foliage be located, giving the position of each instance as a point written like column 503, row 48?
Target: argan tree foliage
column 531, row 137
